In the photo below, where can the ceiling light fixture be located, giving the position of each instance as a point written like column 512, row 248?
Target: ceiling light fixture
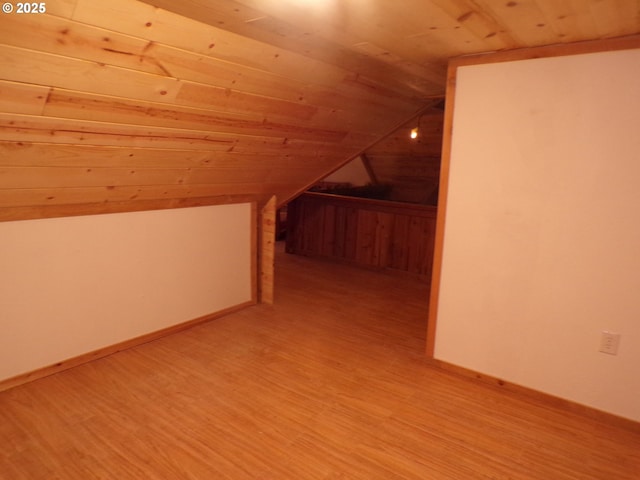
column 414, row 133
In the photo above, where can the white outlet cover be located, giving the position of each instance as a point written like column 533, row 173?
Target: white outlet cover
column 609, row 342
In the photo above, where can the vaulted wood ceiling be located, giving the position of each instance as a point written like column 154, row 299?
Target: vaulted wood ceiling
column 124, row 105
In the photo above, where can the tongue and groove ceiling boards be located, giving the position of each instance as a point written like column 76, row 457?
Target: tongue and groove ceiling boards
column 124, row 105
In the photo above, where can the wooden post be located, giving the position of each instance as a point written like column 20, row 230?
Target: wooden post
column 267, row 250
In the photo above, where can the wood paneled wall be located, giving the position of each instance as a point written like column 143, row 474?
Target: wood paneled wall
column 119, row 105
column 370, row 233
column 411, row 166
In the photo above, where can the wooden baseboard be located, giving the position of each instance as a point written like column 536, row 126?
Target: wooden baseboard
column 540, row 397
column 118, row 347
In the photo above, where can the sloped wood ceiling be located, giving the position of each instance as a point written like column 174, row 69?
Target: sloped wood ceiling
column 122, row 105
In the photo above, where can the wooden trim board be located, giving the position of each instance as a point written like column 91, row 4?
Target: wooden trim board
column 436, row 269
column 99, row 208
column 560, row 50
column 540, row 397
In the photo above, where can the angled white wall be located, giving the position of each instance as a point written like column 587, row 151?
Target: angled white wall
column 72, row 285
column 542, row 237
column 353, row 173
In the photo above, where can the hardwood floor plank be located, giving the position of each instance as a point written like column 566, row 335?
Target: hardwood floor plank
column 330, row 382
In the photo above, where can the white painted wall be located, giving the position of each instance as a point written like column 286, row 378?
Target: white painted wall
column 542, row 236
column 353, row 173
column 72, row 285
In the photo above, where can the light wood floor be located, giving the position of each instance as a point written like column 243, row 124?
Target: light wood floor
column 330, row 383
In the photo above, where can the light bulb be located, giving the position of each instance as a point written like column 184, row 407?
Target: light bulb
column 414, row 133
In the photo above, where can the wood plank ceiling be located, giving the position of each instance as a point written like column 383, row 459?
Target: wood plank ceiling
column 124, row 105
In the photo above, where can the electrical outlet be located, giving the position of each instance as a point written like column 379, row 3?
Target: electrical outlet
column 609, row 343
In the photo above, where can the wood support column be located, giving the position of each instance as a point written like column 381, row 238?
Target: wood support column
column 267, row 250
